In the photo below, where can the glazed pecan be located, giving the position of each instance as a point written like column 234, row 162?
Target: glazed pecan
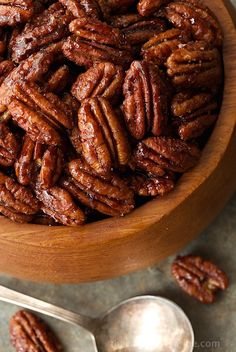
column 196, row 19
column 16, row 201
column 58, row 204
column 109, row 194
column 9, row 145
column 146, row 97
column 195, row 65
column 6, row 67
column 39, row 161
column 161, row 46
column 142, row 30
column 144, row 185
column 57, row 80
column 103, row 78
column 75, row 140
column 198, row 277
column 48, row 27
column 156, row 155
column 15, row 11
column 40, row 115
column 83, row 8
column 193, row 113
column 150, row 7
column 103, row 138
column 30, row 333
column 85, row 53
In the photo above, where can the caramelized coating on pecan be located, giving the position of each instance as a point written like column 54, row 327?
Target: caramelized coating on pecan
column 58, row 204
column 97, row 31
column 75, row 140
column 198, row 277
column 102, row 79
column 58, row 80
column 83, row 8
column 156, row 155
column 104, row 141
column 48, row 27
column 40, row 115
column 9, row 146
column 195, row 66
column 150, row 186
column 6, row 67
column 149, row 7
column 194, row 113
column 15, row 11
column 16, row 201
column 196, row 19
column 39, row 161
column 109, row 194
column 161, row 46
column 146, row 99
column 29, row 333
column 85, row 53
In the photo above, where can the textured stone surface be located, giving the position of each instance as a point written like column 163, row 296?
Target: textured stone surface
column 214, row 325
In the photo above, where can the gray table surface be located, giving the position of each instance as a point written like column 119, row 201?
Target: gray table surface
column 214, row 326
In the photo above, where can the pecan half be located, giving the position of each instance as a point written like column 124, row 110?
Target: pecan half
column 161, row 46
column 146, row 186
column 103, row 138
column 198, row 277
column 146, row 97
column 30, row 333
column 85, row 53
column 156, row 155
column 196, row 19
column 75, row 140
column 48, row 27
column 15, row 11
column 9, row 146
column 40, row 115
column 83, row 8
column 16, row 201
column 58, row 204
column 39, row 161
column 6, row 67
column 57, row 80
column 195, row 65
column 150, row 7
column 194, row 113
column 109, row 194
column 103, row 78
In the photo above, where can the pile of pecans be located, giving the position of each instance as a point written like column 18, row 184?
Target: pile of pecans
column 102, row 102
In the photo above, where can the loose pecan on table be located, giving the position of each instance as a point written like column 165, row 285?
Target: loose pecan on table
column 15, row 11
column 9, row 145
column 195, row 65
column 40, row 163
column 102, row 79
column 16, row 201
column 40, row 114
column 29, row 333
column 108, row 194
column 157, row 155
column 161, row 46
column 196, row 19
column 59, row 205
column 104, row 141
column 193, row 113
column 146, row 100
column 198, row 277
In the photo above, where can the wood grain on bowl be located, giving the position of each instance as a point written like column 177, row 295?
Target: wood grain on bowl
column 152, row 232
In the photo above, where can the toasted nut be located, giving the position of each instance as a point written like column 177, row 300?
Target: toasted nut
column 146, row 186
column 9, row 146
column 198, row 277
column 109, row 194
column 29, row 333
column 149, row 7
column 15, row 11
column 83, row 8
column 146, row 100
column 102, row 79
column 103, row 138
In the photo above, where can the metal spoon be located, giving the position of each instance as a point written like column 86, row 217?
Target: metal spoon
column 140, row 324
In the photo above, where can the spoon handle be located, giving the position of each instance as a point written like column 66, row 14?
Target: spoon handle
column 22, row 300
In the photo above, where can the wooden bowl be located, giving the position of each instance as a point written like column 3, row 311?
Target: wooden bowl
column 152, row 232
